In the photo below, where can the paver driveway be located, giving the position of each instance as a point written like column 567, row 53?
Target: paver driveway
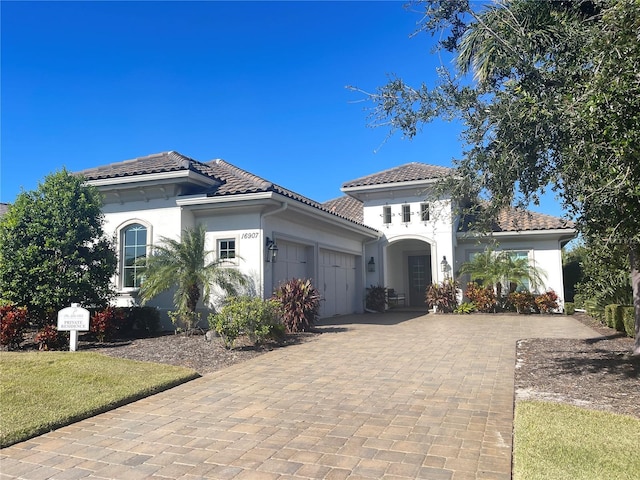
column 392, row 396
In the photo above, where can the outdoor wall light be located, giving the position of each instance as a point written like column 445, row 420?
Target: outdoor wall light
column 444, row 266
column 371, row 266
column 272, row 250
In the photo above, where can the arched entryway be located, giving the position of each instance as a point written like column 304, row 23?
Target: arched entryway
column 408, row 268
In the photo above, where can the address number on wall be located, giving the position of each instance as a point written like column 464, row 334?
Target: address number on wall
column 249, row 235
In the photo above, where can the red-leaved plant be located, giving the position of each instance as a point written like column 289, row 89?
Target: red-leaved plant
column 105, row 324
column 547, row 302
column 443, row 296
column 13, row 321
column 484, row 298
column 49, row 338
column 299, row 303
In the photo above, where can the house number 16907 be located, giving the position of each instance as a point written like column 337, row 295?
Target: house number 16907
column 249, row 235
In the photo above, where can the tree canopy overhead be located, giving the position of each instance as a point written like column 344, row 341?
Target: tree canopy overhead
column 548, row 93
column 53, row 250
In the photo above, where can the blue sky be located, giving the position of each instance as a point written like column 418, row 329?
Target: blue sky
column 259, row 84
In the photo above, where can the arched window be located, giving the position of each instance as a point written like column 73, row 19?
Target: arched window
column 134, row 248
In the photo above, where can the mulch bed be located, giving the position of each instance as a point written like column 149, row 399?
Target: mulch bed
column 597, row 373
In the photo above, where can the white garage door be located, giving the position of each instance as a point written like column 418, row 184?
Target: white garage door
column 337, row 283
column 291, row 263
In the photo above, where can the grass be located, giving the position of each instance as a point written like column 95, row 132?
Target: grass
column 555, row 441
column 41, row 391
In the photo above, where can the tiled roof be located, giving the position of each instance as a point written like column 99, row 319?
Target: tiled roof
column 515, row 220
column 409, row 172
column 231, row 179
column 510, row 220
column 4, row 207
column 156, row 163
column 346, row 206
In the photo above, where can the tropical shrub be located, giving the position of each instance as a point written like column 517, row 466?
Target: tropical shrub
column 547, row 302
column 524, row 301
column 484, row 298
column 443, row 296
column 49, row 338
column 140, row 321
column 250, row 316
column 106, row 323
column 184, row 320
column 13, row 322
column 465, row 307
column 299, row 304
column 376, row 298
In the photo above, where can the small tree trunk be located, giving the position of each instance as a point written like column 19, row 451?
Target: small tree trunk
column 634, row 258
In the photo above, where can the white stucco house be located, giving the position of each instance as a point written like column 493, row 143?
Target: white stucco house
column 388, row 228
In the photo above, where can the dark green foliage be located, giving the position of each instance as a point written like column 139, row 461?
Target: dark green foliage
column 606, row 277
column 524, row 302
column 252, row 317
column 569, row 308
column 484, row 298
column 106, row 323
column 443, row 296
column 299, row 304
column 139, row 322
column 49, row 338
column 53, row 251
column 13, row 322
column 547, row 302
column 376, row 298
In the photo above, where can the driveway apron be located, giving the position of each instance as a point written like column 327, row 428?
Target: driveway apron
column 394, row 396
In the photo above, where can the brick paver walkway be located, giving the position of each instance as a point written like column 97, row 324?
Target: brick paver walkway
column 399, row 397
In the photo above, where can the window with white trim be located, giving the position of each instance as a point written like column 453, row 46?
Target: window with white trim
column 406, row 213
column 386, row 214
column 521, row 255
column 227, row 248
column 134, row 251
column 424, row 212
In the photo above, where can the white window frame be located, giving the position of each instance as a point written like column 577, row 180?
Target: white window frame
column 406, row 213
column 227, row 260
column 425, row 211
column 386, row 214
column 122, row 230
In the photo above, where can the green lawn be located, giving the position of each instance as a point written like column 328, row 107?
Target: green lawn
column 554, row 441
column 41, row 391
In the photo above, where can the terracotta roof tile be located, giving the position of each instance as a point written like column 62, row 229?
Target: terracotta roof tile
column 409, row 172
column 156, row 163
column 346, row 206
column 4, row 208
column 515, row 220
column 232, row 180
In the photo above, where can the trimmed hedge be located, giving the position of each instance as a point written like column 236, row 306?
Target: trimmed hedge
column 629, row 321
column 569, row 308
column 620, row 318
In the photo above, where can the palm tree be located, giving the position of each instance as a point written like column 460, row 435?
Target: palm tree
column 183, row 264
column 491, row 268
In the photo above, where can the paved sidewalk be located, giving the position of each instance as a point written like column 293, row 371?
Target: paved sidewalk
column 399, row 397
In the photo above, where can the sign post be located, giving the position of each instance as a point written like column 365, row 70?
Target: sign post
column 73, row 319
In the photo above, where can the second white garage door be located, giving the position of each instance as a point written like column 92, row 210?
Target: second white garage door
column 337, row 283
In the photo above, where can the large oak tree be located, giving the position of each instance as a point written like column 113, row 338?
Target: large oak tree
column 549, row 96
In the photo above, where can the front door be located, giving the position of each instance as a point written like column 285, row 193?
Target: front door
column 419, row 279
